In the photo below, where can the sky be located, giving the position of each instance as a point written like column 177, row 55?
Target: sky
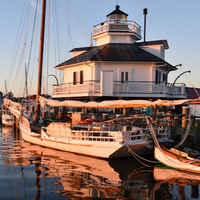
column 177, row 21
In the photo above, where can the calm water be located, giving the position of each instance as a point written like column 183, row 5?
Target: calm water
column 32, row 172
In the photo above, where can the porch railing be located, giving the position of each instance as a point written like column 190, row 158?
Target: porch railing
column 130, row 87
column 70, row 88
column 146, row 87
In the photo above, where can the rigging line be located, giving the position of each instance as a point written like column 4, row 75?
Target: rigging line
column 19, row 35
column 23, row 52
column 33, row 31
column 79, row 21
column 57, row 25
column 47, row 51
column 54, row 34
column 35, row 61
column 58, row 31
column 68, row 24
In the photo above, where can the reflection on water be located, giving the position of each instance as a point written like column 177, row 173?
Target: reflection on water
column 33, row 172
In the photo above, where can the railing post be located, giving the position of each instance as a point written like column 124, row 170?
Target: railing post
column 89, row 89
column 183, row 89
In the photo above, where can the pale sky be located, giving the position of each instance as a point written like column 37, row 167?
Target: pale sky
column 177, row 21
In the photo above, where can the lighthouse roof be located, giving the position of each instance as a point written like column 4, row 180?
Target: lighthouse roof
column 115, row 52
column 117, row 11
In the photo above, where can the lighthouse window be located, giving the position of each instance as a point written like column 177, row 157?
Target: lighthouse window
column 165, row 79
column 124, row 77
column 158, row 77
column 78, row 77
column 74, row 78
column 81, row 77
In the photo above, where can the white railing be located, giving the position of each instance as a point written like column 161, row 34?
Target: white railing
column 83, row 135
column 70, row 88
column 147, row 88
column 131, row 87
column 112, row 25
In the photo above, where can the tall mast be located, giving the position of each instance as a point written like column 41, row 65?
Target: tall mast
column 40, row 58
column 6, row 87
column 26, row 83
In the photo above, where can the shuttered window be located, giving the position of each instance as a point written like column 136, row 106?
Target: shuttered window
column 74, row 78
column 81, row 77
column 124, row 77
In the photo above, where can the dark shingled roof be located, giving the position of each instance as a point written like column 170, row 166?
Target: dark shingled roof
column 164, row 42
column 192, row 93
column 115, row 52
column 81, row 49
column 117, row 11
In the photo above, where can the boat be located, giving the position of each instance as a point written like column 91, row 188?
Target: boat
column 177, row 159
column 104, row 140
column 6, row 118
column 117, row 137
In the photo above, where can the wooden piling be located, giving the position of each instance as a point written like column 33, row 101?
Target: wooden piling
column 185, row 111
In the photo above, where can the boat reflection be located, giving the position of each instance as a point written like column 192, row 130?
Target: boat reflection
column 73, row 176
column 172, row 183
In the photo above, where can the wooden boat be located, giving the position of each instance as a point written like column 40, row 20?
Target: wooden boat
column 118, row 137
column 177, row 159
column 6, row 118
column 105, row 142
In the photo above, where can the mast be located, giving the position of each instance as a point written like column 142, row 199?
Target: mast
column 26, row 83
column 6, row 87
column 40, row 58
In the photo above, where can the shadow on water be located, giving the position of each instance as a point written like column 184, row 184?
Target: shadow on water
column 33, row 172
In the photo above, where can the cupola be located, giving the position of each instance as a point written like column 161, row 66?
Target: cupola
column 116, row 29
column 117, row 16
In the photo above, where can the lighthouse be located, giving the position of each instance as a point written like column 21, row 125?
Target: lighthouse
column 119, row 65
column 117, row 29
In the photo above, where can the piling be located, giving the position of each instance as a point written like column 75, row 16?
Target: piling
column 197, row 122
column 105, row 117
column 185, row 111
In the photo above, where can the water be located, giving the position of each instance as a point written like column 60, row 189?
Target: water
column 32, row 172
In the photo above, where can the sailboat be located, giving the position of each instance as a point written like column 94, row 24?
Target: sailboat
column 100, row 141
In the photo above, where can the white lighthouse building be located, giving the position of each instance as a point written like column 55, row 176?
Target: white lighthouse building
column 119, row 66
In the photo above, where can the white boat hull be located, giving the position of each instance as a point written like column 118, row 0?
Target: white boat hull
column 90, row 148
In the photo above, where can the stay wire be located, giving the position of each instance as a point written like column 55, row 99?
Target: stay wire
column 17, row 44
column 23, row 52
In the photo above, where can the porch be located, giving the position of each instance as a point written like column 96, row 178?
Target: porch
column 136, row 89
